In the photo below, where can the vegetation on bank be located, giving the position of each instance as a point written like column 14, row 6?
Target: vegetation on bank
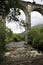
column 35, row 37
column 14, row 37
column 6, row 35
column 2, row 39
column 18, row 37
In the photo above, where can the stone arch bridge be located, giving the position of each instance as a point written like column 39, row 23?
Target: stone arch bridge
column 28, row 7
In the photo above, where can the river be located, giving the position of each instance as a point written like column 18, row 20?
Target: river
column 15, row 44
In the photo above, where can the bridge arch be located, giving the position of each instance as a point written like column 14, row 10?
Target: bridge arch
column 38, row 10
column 27, row 20
column 26, row 12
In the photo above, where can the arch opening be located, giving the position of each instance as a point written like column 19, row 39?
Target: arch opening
column 36, row 18
column 38, row 10
column 17, row 27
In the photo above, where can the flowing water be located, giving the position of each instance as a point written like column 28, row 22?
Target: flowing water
column 15, row 44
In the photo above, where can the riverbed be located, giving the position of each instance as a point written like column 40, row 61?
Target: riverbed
column 15, row 44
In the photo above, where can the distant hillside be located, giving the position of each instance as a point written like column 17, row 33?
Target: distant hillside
column 40, row 25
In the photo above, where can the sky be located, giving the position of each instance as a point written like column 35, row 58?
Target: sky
column 15, row 26
column 36, row 18
column 37, row 1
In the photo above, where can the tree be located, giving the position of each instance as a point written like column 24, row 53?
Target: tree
column 2, row 39
column 35, row 37
column 8, row 35
column 5, row 6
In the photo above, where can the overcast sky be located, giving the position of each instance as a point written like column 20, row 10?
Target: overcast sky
column 37, row 1
column 36, row 18
column 14, row 26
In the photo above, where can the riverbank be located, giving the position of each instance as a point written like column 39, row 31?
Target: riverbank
column 24, row 56
column 19, row 53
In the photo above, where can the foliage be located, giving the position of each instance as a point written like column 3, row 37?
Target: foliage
column 2, row 39
column 5, row 6
column 13, row 37
column 35, row 37
column 8, row 35
column 18, row 37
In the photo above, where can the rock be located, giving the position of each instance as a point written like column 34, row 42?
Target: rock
column 34, row 53
column 7, row 54
column 15, row 52
column 21, row 50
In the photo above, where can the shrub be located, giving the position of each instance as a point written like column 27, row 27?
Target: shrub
column 2, row 39
column 35, row 37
